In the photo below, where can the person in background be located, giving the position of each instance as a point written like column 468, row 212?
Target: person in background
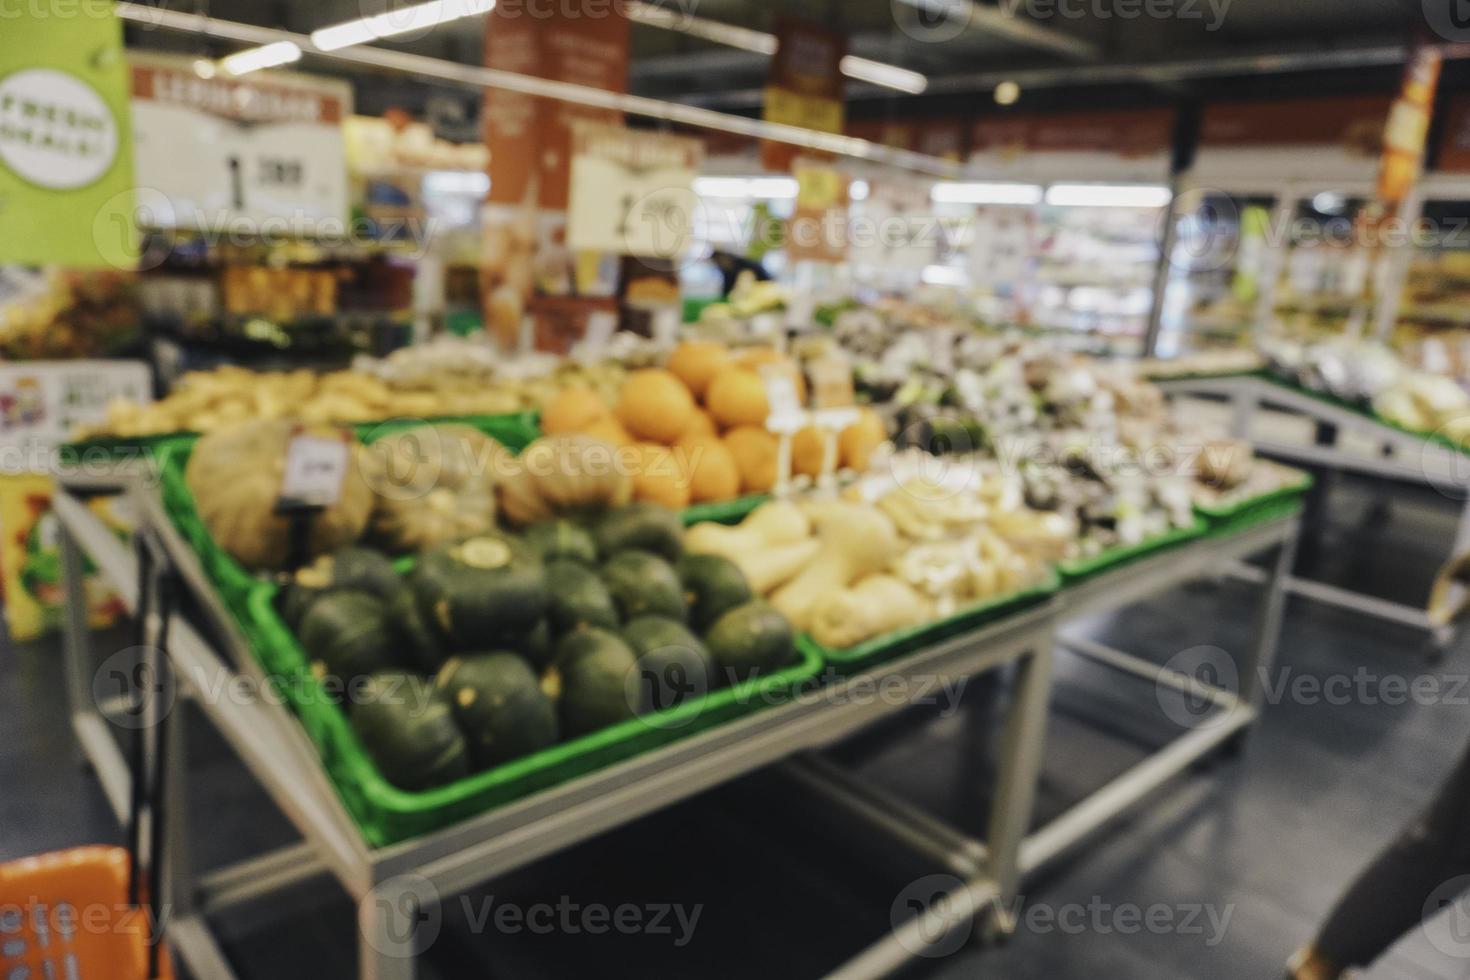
column 731, row 265
column 1395, row 892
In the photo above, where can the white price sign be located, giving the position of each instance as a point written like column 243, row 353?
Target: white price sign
column 632, row 193
column 1001, row 245
column 221, row 151
column 315, row 469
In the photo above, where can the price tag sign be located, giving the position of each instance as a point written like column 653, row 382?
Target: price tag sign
column 785, row 405
column 831, row 383
column 632, row 191
column 315, row 469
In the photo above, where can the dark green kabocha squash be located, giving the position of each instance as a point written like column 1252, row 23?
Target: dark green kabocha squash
column 481, row 593
column 562, row 540
column 409, row 731
column 751, row 639
column 643, row 584
column 577, row 597
column 348, row 635
column 713, row 585
column 643, row 527
column 498, row 702
column 673, row 666
column 354, row 568
column 593, row 681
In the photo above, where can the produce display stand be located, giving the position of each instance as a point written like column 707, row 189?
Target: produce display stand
column 390, row 883
column 1418, row 458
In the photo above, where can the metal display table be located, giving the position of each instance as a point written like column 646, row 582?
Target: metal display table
column 1405, row 457
column 391, row 884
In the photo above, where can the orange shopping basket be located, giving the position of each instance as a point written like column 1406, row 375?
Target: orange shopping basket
column 66, row 916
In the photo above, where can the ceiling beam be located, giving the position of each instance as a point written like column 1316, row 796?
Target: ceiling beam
column 1004, row 21
column 1363, row 54
column 476, row 79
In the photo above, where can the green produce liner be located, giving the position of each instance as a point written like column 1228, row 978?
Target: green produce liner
column 890, row 646
column 522, row 426
column 1237, row 516
column 384, row 813
column 724, row 512
column 1080, row 569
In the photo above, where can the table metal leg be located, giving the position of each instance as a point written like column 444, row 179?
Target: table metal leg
column 389, row 923
column 1020, row 770
column 1266, row 630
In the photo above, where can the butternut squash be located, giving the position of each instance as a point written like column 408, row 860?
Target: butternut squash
column 857, row 540
column 878, row 604
column 775, row 523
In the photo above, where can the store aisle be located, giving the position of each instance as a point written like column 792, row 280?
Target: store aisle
column 1251, row 853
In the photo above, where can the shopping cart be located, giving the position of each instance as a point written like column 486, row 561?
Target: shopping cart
column 67, row 916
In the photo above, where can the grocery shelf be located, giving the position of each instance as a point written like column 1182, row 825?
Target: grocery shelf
column 387, row 881
column 1407, row 456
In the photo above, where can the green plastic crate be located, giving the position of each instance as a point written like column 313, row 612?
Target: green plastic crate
column 522, row 427
column 1079, row 569
column 890, row 646
column 384, row 813
column 724, row 512
column 1230, row 518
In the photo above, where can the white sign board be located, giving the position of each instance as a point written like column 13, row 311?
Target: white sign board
column 42, row 402
column 221, row 154
column 896, row 227
column 1002, row 243
column 632, row 192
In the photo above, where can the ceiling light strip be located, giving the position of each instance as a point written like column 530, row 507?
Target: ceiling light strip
column 761, row 42
column 477, row 78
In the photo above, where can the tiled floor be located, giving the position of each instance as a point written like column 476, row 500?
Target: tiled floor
column 1263, row 843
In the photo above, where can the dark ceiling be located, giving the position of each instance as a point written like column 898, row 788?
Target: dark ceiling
column 1065, row 53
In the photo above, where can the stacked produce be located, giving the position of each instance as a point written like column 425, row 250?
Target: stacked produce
column 541, row 605
column 698, row 425
column 211, row 401
column 1371, row 376
column 848, row 570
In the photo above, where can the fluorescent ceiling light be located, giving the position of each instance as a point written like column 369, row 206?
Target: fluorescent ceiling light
column 743, row 188
column 878, row 73
column 985, row 192
column 1108, row 195
column 761, row 42
column 673, row 19
column 266, row 56
column 416, row 18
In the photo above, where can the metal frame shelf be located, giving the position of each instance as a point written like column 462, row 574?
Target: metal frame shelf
column 387, row 883
column 1407, row 457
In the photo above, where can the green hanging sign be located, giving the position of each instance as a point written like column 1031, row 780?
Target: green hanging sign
column 66, row 151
